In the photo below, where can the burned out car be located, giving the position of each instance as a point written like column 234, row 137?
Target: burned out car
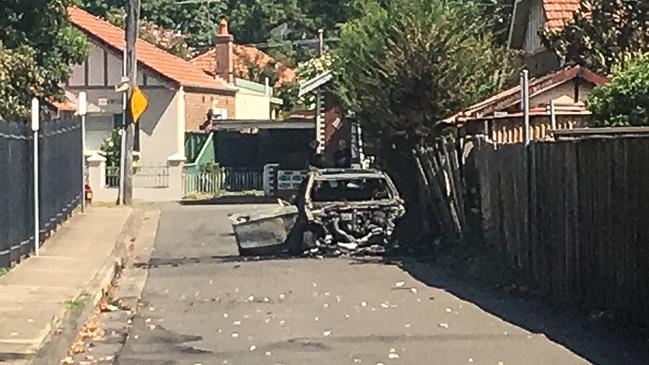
column 336, row 212
column 345, row 211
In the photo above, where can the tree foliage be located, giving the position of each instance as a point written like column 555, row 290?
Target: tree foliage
column 37, row 47
column 624, row 100
column 602, row 33
column 196, row 21
column 405, row 65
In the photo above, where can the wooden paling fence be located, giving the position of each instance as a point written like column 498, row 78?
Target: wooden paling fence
column 571, row 216
column 442, row 185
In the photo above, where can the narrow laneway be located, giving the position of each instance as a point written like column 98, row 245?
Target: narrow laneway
column 203, row 305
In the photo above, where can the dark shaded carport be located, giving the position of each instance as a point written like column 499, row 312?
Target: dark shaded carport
column 255, row 143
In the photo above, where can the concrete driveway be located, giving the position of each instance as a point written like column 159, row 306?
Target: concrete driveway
column 202, row 304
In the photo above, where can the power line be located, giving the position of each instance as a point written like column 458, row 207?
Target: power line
column 301, row 42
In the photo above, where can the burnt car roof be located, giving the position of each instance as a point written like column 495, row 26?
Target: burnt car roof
column 334, row 174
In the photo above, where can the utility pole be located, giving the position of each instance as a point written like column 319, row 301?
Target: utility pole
column 132, row 20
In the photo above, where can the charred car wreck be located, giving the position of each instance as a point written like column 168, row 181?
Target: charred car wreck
column 336, row 212
column 342, row 210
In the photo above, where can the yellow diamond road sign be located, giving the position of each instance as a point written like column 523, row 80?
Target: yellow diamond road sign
column 138, row 103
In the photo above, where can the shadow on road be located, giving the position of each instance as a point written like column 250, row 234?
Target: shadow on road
column 231, row 200
column 181, row 261
column 599, row 343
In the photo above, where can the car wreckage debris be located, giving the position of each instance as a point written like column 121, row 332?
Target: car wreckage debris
column 337, row 212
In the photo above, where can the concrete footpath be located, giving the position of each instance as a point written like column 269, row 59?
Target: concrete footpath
column 40, row 298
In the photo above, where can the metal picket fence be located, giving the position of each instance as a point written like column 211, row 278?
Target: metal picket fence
column 224, row 179
column 144, row 176
column 59, row 184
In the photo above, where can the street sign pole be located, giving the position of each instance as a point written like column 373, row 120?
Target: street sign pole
column 35, row 126
column 83, row 110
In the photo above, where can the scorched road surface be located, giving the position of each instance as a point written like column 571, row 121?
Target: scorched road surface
column 202, row 304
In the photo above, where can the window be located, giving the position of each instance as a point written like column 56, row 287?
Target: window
column 351, row 189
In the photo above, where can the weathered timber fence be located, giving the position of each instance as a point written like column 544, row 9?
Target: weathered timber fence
column 441, row 183
column 59, row 185
column 571, row 216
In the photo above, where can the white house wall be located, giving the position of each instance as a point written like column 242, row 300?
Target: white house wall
column 98, row 75
column 566, row 89
column 158, row 126
column 252, row 105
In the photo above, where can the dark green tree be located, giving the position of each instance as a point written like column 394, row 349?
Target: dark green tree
column 624, row 100
column 197, row 21
column 406, row 65
column 37, row 47
column 602, row 33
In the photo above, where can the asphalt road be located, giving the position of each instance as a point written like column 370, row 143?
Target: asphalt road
column 203, row 305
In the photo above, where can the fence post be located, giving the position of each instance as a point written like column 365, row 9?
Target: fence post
column 175, row 163
column 35, row 125
column 82, row 109
column 97, row 172
column 525, row 101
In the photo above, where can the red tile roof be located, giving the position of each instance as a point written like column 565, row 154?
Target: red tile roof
column 243, row 56
column 506, row 98
column 171, row 67
column 558, row 13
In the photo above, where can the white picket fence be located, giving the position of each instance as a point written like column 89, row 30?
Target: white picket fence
column 224, row 179
column 202, row 183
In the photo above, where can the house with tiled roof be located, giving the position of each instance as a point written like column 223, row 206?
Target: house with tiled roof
column 557, row 101
column 180, row 95
column 529, row 19
column 227, row 61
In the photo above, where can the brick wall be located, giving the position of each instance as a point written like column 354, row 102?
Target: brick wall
column 198, row 104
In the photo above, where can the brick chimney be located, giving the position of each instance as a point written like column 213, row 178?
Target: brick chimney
column 223, row 53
